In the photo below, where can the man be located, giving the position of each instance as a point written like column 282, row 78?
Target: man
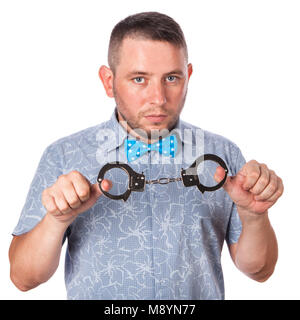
column 164, row 242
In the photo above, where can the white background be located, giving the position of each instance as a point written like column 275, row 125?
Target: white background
column 245, row 86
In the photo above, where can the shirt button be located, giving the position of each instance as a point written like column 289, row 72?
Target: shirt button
column 163, row 282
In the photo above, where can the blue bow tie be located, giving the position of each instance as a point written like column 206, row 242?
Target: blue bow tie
column 166, row 146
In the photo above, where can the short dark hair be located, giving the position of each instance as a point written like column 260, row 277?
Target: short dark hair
column 148, row 25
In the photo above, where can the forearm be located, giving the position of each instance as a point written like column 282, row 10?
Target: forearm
column 257, row 251
column 34, row 256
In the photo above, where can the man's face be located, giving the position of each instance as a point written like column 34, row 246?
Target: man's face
column 150, row 84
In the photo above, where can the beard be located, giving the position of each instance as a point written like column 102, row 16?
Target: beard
column 133, row 123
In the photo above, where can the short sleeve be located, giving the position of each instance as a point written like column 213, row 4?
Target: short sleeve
column 49, row 169
column 234, row 228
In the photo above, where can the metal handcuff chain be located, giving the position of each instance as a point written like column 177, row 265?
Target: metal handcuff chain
column 137, row 181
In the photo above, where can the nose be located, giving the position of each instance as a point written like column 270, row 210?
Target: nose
column 157, row 94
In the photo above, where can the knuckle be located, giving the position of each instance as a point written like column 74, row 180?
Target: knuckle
column 74, row 202
column 83, row 193
column 65, row 208
column 280, row 191
column 61, row 182
column 272, row 187
column 264, row 166
column 62, row 178
column 51, row 208
column 45, row 194
column 252, row 161
column 74, row 174
column 45, row 198
column 264, row 179
column 50, row 205
column 61, row 203
column 254, row 175
column 255, row 191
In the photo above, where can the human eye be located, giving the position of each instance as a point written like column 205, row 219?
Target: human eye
column 171, row 78
column 139, row 80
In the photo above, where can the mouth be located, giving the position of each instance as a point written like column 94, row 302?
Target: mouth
column 156, row 117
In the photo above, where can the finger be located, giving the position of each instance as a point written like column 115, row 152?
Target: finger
column 61, row 202
column 81, row 185
column 95, row 193
column 251, row 171
column 50, row 205
column 219, row 174
column 105, row 185
column 68, row 191
column 71, row 196
column 278, row 192
column 269, row 190
column 230, row 181
column 262, row 182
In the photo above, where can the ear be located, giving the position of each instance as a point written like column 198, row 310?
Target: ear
column 107, row 77
column 190, row 70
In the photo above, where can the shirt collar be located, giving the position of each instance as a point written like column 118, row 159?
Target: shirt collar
column 121, row 133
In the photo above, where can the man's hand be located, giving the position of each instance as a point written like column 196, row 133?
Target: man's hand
column 71, row 195
column 254, row 189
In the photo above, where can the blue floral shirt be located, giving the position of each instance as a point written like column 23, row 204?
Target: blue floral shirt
column 162, row 243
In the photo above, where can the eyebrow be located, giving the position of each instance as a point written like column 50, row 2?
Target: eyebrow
column 143, row 73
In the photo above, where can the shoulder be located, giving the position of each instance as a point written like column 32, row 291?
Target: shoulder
column 220, row 141
column 72, row 149
column 84, row 137
column 209, row 137
column 217, row 144
column 85, row 134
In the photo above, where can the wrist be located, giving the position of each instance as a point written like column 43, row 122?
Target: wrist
column 56, row 223
column 248, row 216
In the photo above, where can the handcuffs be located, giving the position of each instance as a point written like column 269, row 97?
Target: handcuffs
column 137, row 181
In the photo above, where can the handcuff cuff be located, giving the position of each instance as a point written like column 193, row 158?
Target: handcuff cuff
column 137, row 181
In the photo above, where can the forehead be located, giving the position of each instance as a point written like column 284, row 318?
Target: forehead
column 150, row 55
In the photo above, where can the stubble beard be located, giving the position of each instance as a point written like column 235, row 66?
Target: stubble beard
column 152, row 134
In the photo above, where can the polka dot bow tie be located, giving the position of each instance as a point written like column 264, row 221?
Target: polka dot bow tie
column 166, row 146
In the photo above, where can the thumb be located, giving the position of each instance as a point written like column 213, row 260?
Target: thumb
column 219, row 176
column 231, row 181
column 95, row 193
column 239, row 178
column 105, row 185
